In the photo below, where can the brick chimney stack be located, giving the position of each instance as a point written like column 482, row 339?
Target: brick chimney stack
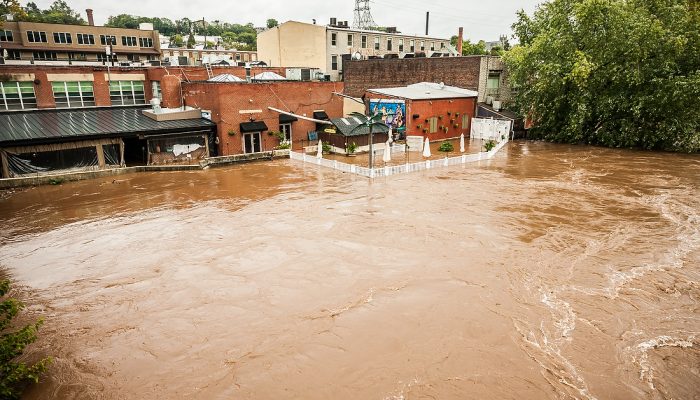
column 91, row 20
column 460, row 40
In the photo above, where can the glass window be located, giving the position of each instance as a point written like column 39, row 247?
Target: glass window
column 84, row 38
column 17, row 95
column 350, row 39
column 36, row 37
column 376, row 42
column 286, row 129
column 401, row 45
column 62, row 37
column 145, row 42
column 6, row 36
column 494, row 81
column 124, row 93
column 422, row 45
column 45, row 55
column 389, row 44
column 364, row 41
column 73, row 94
column 432, row 46
column 106, row 40
column 129, row 41
column 413, row 46
column 334, row 62
column 334, row 39
column 13, row 55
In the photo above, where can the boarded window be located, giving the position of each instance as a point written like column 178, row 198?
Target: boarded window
column 433, row 124
column 465, row 121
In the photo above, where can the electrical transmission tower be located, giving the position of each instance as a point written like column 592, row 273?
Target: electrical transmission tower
column 363, row 16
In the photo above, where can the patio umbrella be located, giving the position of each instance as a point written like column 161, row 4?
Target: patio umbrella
column 461, row 143
column 319, row 150
column 387, row 152
column 426, row 148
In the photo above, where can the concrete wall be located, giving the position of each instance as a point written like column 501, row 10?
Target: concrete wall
column 234, row 103
column 359, row 76
column 294, row 44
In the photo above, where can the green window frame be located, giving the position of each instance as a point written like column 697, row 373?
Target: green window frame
column 124, row 93
column 17, row 95
column 433, row 124
column 73, row 94
column 465, row 121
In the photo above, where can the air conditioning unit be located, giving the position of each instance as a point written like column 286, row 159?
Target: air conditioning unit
column 489, row 100
column 497, row 105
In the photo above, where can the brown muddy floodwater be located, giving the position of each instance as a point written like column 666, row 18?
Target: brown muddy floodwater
column 548, row 272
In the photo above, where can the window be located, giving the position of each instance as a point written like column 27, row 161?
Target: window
column 62, row 37
column 442, row 45
column 350, row 39
column 155, row 90
column 286, row 129
column 6, row 36
column 364, row 41
column 77, row 56
column 493, row 82
column 133, row 57
column 106, row 40
column 465, row 121
column 334, row 39
column 389, row 44
column 146, row 42
column 433, row 124
column 36, row 37
column 401, row 45
column 13, row 55
column 376, row 42
column 45, row 55
column 413, row 46
column 73, row 94
column 334, row 62
column 104, row 57
column 422, row 45
column 124, row 93
column 17, row 95
column 84, row 38
column 432, row 46
column 129, row 41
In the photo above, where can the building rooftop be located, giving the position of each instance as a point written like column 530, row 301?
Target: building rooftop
column 348, row 126
column 426, row 91
column 46, row 126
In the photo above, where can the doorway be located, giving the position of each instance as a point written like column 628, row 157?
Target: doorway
column 135, row 151
column 252, row 142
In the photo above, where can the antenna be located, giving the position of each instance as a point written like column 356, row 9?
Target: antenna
column 363, row 16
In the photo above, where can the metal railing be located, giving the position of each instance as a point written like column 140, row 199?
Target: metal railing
column 397, row 169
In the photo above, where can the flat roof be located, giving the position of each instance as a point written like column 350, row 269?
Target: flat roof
column 352, row 126
column 47, row 126
column 426, row 91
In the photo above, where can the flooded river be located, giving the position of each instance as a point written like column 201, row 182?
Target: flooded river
column 548, row 272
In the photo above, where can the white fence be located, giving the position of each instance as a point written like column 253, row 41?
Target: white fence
column 487, row 128
column 397, row 169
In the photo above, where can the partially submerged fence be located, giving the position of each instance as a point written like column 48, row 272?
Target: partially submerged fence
column 397, row 169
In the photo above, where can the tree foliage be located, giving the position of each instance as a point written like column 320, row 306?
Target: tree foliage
column 619, row 73
column 10, row 7
column 271, row 23
column 58, row 13
column 15, row 375
column 469, row 48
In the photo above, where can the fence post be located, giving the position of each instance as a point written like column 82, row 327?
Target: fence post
column 427, row 164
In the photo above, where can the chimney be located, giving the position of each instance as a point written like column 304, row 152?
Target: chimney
column 460, row 41
column 427, row 22
column 91, row 20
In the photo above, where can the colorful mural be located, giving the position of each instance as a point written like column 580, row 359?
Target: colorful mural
column 394, row 112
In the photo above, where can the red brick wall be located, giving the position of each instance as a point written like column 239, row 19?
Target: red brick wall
column 361, row 75
column 226, row 100
column 436, row 108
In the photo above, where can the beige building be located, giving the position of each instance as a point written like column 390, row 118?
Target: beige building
column 58, row 44
column 179, row 56
column 298, row 44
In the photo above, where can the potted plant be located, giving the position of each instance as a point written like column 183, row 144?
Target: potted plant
column 351, row 149
column 446, row 147
column 489, row 144
column 231, row 132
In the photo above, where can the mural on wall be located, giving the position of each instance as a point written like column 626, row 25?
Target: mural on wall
column 394, row 112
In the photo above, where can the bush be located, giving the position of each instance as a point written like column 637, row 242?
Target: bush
column 14, row 375
column 489, row 145
column 352, row 148
column 446, row 147
column 326, row 148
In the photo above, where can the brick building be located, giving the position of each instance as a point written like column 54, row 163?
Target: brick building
column 435, row 111
column 240, row 110
column 41, row 86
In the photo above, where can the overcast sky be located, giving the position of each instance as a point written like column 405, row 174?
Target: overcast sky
column 481, row 19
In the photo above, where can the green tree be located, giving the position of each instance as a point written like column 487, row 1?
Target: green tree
column 619, row 73
column 191, row 42
column 177, row 40
column 14, row 375
column 11, row 7
column 58, row 13
column 271, row 23
column 469, row 48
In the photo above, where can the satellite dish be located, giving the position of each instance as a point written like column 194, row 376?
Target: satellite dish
column 357, row 56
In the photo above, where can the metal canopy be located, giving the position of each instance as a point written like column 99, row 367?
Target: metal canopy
column 255, row 126
column 52, row 126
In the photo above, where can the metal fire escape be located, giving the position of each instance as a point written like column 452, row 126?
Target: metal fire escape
column 363, row 16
